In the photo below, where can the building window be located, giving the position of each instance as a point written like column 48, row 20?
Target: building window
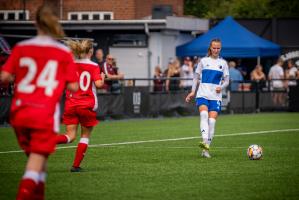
column 21, row 16
column 96, row 17
column 107, row 17
column 11, row 16
column 129, row 40
column 90, row 16
column 85, row 17
column 74, row 17
column 14, row 15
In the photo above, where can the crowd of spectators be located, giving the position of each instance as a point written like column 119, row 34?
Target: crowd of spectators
column 280, row 76
column 179, row 77
column 175, row 77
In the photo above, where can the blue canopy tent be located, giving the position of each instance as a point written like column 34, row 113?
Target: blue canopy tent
column 237, row 42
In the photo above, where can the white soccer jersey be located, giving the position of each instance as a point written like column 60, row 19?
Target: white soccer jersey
column 211, row 73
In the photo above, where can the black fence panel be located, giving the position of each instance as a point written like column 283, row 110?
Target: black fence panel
column 141, row 101
column 294, row 99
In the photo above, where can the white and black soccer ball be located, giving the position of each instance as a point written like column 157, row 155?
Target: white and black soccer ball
column 255, row 152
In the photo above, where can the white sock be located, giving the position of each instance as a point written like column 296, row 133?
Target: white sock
column 204, row 125
column 33, row 175
column 84, row 140
column 212, row 123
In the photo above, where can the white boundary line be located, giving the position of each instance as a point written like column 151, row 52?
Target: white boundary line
column 166, row 140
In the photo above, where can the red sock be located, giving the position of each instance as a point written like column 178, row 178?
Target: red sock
column 61, row 139
column 81, row 149
column 39, row 191
column 26, row 189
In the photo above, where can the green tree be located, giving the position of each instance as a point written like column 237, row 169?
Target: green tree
column 242, row 8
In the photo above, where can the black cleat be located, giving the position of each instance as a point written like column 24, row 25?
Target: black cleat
column 76, row 169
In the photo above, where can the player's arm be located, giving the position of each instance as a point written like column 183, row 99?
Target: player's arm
column 224, row 84
column 100, row 82
column 196, row 78
column 225, row 81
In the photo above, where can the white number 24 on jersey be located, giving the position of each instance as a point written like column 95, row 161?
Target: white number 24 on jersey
column 46, row 78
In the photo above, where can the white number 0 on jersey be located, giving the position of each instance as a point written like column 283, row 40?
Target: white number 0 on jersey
column 84, row 74
column 46, row 78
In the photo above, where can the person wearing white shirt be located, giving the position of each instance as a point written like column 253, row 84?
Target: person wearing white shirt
column 212, row 74
column 276, row 75
column 291, row 73
column 187, row 73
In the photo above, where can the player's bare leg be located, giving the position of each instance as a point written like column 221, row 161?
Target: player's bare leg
column 69, row 136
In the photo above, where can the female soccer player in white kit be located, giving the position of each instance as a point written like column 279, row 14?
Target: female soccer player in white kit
column 212, row 74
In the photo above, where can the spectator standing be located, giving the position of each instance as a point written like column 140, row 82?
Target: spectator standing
column 242, row 69
column 276, row 75
column 187, row 73
column 235, row 76
column 158, row 81
column 196, row 60
column 100, row 58
column 291, row 73
column 258, row 77
column 173, row 75
column 42, row 67
column 112, row 74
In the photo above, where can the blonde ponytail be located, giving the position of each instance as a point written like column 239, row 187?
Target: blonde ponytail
column 75, row 47
column 80, row 48
column 86, row 47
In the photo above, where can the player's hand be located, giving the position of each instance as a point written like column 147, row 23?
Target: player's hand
column 218, row 89
column 190, row 96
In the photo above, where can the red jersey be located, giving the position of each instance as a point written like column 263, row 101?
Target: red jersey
column 42, row 67
column 86, row 96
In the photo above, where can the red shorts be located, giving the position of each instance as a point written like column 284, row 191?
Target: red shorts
column 41, row 141
column 75, row 115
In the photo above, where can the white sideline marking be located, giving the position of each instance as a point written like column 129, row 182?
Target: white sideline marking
column 166, row 140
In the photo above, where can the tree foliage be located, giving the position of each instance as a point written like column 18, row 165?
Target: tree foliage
column 242, row 8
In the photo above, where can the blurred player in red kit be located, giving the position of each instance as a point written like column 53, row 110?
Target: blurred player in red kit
column 41, row 68
column 80, row 106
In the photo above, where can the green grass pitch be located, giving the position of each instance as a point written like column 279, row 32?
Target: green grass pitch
column 160, row 159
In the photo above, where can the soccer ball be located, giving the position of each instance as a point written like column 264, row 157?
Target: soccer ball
column 255, row 152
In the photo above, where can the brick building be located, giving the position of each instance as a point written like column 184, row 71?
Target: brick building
column 146, row 31
column 140, row 34
column 98, row 9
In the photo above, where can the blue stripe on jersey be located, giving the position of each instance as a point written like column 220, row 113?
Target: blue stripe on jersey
column 211, row 76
